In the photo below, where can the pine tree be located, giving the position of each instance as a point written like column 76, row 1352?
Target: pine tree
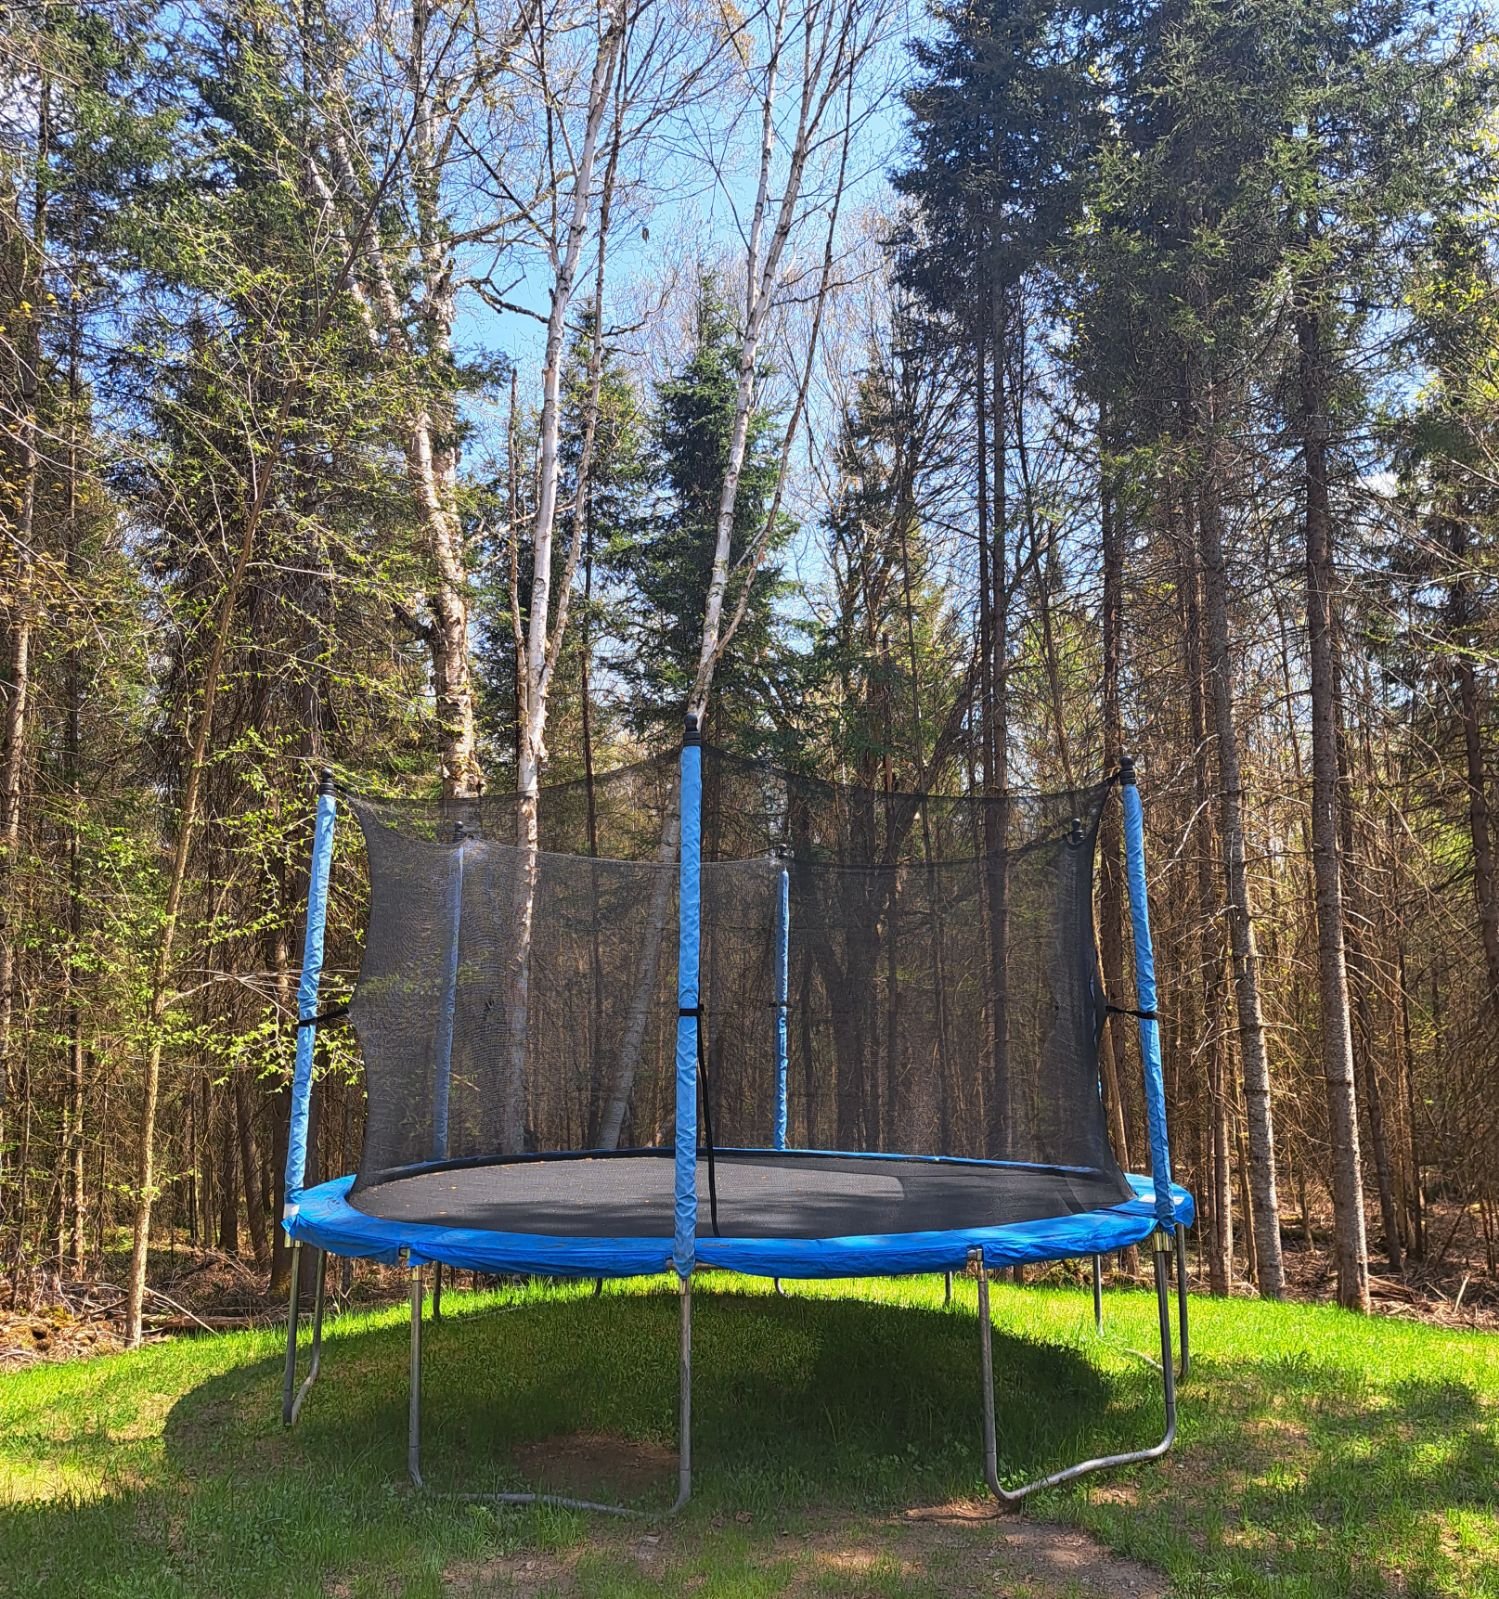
column 666, row 556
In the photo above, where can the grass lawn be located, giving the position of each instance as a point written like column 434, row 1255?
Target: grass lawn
column 1320, row 1454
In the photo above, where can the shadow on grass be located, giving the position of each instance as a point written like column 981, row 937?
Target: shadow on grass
column 793, row 1399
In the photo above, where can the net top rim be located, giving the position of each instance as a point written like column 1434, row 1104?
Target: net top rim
column 1093, row 786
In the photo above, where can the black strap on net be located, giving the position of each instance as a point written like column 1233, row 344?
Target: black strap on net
column 1139, row 1015
column 336, row 1013
column 705, row 1100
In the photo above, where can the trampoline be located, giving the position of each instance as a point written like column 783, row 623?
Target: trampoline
column 724, row 1016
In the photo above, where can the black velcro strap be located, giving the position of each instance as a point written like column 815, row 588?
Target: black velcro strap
column 1139, row 1015
column 705, row 1096
column 336, row 1014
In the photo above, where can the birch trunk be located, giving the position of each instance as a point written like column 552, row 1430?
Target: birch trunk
column 831, row 48
column 822, row 77
column 543, row 632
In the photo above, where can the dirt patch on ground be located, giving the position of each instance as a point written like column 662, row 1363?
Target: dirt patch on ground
column 598, row 1467
column 963, row 1550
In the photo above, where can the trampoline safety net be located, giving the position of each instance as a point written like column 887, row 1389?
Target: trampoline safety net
column 880, row 972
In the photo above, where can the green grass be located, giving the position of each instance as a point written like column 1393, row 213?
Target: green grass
column 1320, row 1454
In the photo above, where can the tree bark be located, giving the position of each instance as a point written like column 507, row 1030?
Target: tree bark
column 1111, row 893
column 1351, row 1250
column 249, row 1166
column 1210, row 950
column 1361, row 979
column 25, row 316
column 1243, row 943
column 1460, row 622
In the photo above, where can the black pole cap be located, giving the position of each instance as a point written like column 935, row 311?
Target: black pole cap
column 325, row 780
column 1127, row 770
column 691, row 734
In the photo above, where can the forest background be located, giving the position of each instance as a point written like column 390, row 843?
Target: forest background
column 456, row 391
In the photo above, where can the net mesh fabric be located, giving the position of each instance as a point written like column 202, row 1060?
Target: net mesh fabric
column 942, row 993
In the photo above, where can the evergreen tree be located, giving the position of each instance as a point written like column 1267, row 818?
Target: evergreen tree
column 665, row 554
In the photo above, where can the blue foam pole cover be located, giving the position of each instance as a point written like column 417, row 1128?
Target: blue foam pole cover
column 307, row 997
column 783, row 950
column 689, row 920
column 1145, row 992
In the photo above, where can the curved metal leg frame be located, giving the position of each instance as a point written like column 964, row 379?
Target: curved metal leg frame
column 1098, row 1293
column 414, row 1410
column 437, row 1292
column 946, row 1288
column 1015, row 1496
column 292, row 1396
column 684, row 1444
column 1185, row 1365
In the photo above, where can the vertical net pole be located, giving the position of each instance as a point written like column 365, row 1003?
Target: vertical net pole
column 1145, row 994
column 783, row 976
column 689, row 926
column 448, row 1003
column 307, row 992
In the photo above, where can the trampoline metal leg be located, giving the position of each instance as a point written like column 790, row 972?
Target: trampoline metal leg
column 293, row 1317
column 437, row 1291
column 684, row 1403
column 684, row 1449
column 1184, row 1340
column 1098, row 1293
column 598, row 1286
column 292, row 1397
column 414, row 1412
column 946, row 1288
column 1012, row 1497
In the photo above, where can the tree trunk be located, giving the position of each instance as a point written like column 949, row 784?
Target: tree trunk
column 1460, row 608
column 1361, row 979
column 228, row 1177
column 1351, row 1249
column 24, row 317
column 1241, row 922
column 543, row 633
column 249, row 1165
column 1111, row 894
column 1210, row 951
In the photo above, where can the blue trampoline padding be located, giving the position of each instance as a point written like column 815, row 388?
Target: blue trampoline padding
column 689, row 1023
column 328, row 1221
column 307, row 997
